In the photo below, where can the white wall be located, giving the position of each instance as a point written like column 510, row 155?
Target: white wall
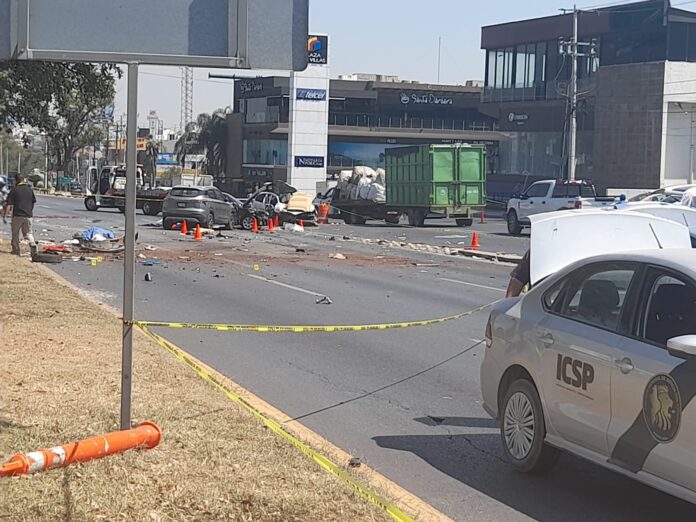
column 679, row 123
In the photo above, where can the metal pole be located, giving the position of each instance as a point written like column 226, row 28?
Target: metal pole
column 691, row 150
column 129, row 262
column 46, row 165
column 19, row 162
column 572, row 160
column 439, row 57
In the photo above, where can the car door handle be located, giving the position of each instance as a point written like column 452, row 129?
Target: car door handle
column 547, row 339
column 625, row 365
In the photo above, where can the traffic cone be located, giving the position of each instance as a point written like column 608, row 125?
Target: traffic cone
column 483, row 217
column 474, row 242
column 301, row 223
column 255, row 226
column 197, row 234
column 184, row 228
column 146, row 436
column 271, row 224
column 277, row 221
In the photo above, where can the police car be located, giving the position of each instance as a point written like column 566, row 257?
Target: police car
column 599, row 358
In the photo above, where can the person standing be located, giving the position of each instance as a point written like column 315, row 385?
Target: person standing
column 20, row 204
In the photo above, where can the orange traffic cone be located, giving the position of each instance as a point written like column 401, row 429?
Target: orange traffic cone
column 271, row 224
column 301, row 223
column 184, row 228
column 474, row 242
column 255, row 226
column 197, row 234
column 147, row 436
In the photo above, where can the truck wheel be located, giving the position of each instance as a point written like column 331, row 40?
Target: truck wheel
column 91, row 204
column 151, row 209
column 393, row 220
column 523, row 430
column 513, row 224
column 465, row 222
column 416, row 217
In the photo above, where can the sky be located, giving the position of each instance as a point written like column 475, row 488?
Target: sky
column 398, row 37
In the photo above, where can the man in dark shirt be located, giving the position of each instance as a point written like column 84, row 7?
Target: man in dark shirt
column 20, row 204
column 519, row 277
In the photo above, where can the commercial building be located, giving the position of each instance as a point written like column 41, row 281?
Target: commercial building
column 637, row 95
column 366, row 115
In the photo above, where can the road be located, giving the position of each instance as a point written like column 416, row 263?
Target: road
column 428, row 433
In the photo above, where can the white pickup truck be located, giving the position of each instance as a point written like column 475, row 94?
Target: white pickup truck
column 549, row 196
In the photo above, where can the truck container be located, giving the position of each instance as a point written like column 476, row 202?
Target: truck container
column 426, row 181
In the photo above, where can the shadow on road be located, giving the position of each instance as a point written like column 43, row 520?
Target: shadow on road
column 574, row 491
column 468, row 422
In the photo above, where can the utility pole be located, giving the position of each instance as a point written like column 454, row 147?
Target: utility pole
column 439, row 57
column 575, row 49
column 572, row 149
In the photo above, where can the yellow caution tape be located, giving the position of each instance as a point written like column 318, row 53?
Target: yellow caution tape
column 321, row 460
column 308, row 329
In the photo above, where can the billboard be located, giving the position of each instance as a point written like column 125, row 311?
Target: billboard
column 314, row 162
column 311, row 94
column 318, row 49
column 205, row 33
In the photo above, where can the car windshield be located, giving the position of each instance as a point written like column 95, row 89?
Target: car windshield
column 185, row 192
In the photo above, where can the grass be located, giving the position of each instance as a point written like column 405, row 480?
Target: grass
column 60, row 382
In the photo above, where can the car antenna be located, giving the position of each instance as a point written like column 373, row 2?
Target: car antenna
column 656, row 238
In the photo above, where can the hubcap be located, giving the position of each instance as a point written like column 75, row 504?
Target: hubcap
column 518, row 426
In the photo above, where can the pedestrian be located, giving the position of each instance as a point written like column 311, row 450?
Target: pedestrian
column 20, row 205
column 689, row 198
column 519, row 277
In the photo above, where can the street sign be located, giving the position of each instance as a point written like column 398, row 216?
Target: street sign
column 260, row 34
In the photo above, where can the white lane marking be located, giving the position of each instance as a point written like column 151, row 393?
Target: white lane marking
column 471, row 284
column 451, row 237
column 285, row 285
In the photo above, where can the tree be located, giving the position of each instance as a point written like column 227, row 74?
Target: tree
column 152, row 149
column 60, row 99
column 208, row 135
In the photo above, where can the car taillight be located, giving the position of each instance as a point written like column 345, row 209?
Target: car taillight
column 489, row 334
column 578, row 203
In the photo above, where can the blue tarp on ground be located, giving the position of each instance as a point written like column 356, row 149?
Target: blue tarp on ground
column 88, row 235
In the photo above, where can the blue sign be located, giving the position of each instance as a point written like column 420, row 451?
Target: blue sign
column 311, row 94
column 166, row 158
column 314, row 162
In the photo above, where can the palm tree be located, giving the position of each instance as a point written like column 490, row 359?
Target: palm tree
column 207, row 135
column 152, row 149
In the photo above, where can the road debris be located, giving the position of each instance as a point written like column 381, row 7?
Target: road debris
column 148, row 277
column 324, row 300
column 338, row 256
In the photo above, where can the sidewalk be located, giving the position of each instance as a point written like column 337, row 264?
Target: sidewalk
column 60, row 382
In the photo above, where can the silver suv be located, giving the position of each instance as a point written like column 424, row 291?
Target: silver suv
column 206, row 206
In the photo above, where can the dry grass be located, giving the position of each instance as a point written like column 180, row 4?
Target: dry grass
column 59, row 382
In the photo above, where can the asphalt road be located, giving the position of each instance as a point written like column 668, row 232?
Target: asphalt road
column 428, row 433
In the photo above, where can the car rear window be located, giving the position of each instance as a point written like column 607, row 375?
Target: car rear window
column 573, row 190
column 185, row 192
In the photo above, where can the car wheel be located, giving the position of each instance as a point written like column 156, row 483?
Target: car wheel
column 513, row 224
column 248, row 223
column 150, row 208
column 46, row 257
column 209, row 221
column 523, row 430
column 91, row 204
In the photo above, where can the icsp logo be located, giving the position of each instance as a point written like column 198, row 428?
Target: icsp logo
column 662, row 408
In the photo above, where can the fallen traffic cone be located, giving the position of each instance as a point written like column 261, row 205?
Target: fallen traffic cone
column 147, row 436
column 255, row 226
column 483, row 217
column 197, row 235
column 184, row 228
column 474, row 242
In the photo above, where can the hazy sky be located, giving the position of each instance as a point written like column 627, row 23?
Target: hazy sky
column 372, row 36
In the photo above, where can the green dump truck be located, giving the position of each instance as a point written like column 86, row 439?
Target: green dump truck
column 425, row 181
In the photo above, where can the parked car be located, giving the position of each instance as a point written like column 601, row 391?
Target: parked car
column 549, row 196
column 206, row 206
column 598, row 359
column 672, row 194
column 236, row 206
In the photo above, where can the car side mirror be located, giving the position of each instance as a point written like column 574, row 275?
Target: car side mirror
column 524, row 196
column 685, row 344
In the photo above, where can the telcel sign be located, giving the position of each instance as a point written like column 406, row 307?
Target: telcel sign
column 311, row 94
column 205, row 33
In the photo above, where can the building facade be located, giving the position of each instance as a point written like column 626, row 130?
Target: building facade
column 637, row 91
column 365, row 117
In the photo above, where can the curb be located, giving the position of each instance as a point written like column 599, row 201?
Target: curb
column 491, row 256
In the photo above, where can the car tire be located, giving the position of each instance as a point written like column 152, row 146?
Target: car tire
column 464, row 222
column 46, row 257
column 167, row 224
column 523, row 430
column 513, row 223
column 209, row 221
column 247, row 222
column 91, row 204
